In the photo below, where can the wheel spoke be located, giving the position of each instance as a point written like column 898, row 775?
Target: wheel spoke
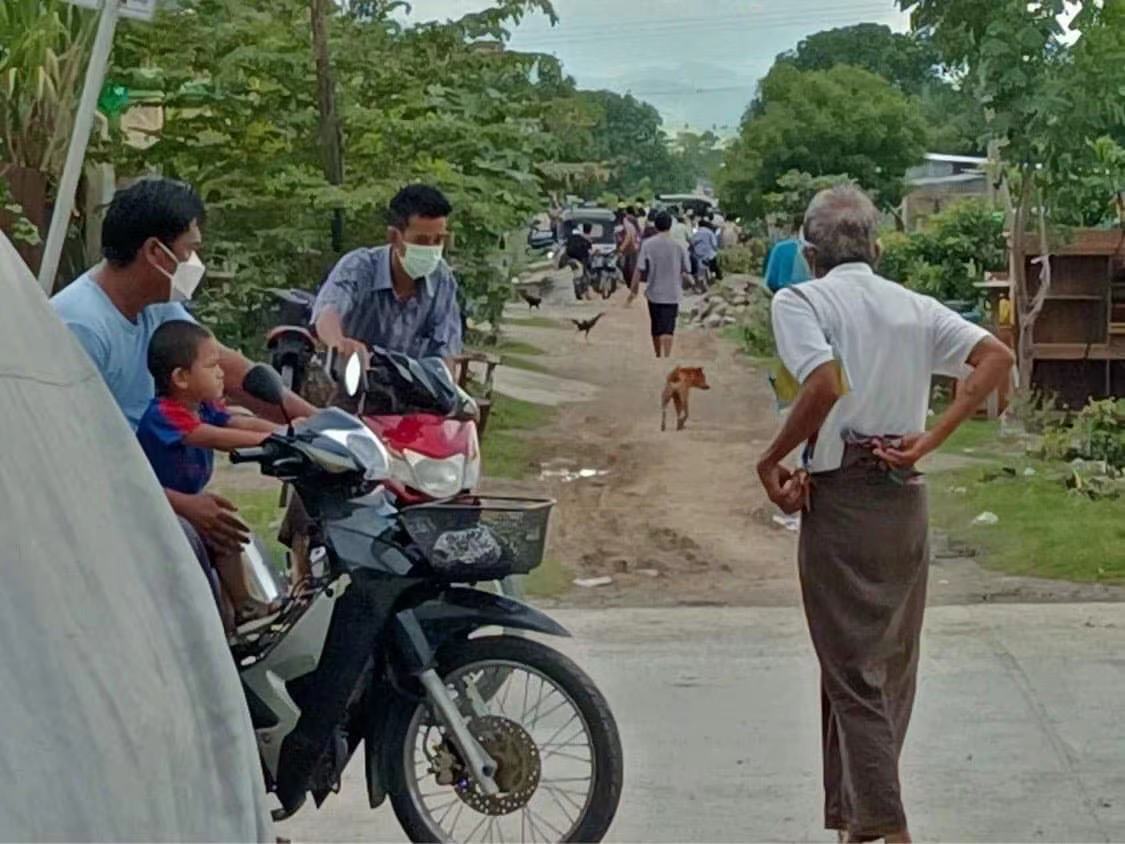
column 449, row 811
column 567, row 796
column 551, row 711
column 563, row 808
column 483, row 820
column 547, row 823
column 555, row 735
column 562, row 755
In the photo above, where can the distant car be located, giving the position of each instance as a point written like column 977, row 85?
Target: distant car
column 540, row 238
column 697, row 204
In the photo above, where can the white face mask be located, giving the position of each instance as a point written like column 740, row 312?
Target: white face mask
column 187, row 276
column 419, row 261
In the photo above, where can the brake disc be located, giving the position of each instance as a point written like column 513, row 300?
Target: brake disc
column 518, row 766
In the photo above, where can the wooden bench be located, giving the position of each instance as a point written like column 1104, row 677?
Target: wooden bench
column 463, row 371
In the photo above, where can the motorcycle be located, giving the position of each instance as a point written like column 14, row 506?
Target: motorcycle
column 604, row 271
column 433, row 457
column 703, row 276
column 290, row 343
column 537, row 757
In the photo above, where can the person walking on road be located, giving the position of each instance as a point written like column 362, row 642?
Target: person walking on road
column 663, row 266
column 864, row 349
column 628, row 239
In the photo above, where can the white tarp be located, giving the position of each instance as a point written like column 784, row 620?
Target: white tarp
column 121, row 714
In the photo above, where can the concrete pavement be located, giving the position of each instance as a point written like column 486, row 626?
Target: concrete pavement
column 1018, row 734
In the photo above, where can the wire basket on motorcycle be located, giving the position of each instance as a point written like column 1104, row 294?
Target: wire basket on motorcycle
column 480, row 537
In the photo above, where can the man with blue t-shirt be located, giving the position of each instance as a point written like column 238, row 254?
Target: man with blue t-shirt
column 150, row 240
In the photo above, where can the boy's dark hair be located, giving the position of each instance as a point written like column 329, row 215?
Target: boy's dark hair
column 417, row 201
column 631, row 210
column 174, row 345
column 587, row 227
column 662, row 221
column 160, row 208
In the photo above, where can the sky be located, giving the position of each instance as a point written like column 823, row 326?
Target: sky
column 697, row 61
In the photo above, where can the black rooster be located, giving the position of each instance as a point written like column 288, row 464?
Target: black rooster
column 532, row 301
column 585, row 325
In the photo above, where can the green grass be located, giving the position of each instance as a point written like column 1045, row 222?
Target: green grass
column 525, row 364
column 516, row 347
column 1044, row 531
column 506, row 449
column 980, row 436
column 259, row 509
column 550, row 580
column 535, row 322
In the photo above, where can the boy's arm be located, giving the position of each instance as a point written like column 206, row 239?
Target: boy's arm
column 243, row 422
column 224, row 439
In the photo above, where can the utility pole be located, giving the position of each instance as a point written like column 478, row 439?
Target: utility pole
column 79, row 138
column 331, row 133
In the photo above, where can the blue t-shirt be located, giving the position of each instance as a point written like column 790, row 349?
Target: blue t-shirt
column 118, row 347
column 184, row 468
column 786, row 265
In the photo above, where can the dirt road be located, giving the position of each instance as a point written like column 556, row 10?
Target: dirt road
column 679, row 518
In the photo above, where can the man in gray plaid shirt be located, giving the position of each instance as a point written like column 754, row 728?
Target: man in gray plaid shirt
column 401, row 296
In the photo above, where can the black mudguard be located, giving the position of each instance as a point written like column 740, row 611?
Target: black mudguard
column 419, row 632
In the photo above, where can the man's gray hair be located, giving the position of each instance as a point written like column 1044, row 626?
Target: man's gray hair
column 842, row 226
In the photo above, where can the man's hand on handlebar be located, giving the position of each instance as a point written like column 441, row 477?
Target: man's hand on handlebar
column 346, row 347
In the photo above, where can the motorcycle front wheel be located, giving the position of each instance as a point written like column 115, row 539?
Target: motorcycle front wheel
column 551, row 732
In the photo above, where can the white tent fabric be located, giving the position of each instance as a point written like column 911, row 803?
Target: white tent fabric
column 121, row 714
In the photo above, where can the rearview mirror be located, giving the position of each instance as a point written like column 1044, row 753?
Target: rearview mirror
column 353, row 375
column 263, row 383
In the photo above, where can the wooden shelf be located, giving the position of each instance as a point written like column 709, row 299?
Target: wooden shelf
column 1077, row 351
column 1075, row 297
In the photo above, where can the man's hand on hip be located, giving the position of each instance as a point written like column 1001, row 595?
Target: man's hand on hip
column 215, row 518
column 912, row 449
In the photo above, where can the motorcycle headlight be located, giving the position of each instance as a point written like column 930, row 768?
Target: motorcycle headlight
column 437, row 478
column 366, row 450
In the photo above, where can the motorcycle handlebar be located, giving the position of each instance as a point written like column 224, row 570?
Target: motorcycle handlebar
column 248, row 455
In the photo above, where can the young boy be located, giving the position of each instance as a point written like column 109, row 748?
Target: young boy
column 186, row 421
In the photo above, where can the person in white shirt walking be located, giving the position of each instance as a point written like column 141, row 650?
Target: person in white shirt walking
column 864, row 349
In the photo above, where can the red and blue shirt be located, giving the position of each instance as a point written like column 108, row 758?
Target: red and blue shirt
column 161, row 431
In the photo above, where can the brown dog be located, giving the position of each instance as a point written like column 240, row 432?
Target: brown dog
column 676, row 388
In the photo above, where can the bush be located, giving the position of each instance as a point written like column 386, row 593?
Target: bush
column 754, row 330
column 1101, row 430
column 950, row 254
column 749, row 257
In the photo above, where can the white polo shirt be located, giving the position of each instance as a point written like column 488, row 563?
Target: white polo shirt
column 890, row 341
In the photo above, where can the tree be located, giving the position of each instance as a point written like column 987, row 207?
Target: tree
column 627, row 136
column 906, row 60
column 43, row 49
column 429, row 102
column 699, row 155
column 910, row 62
column 1034, row 84
column 795, row 190
column 841, row 120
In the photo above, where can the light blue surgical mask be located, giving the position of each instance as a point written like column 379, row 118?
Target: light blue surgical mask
column 419, row 261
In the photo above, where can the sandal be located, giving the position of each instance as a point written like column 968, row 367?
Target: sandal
column 256, row 611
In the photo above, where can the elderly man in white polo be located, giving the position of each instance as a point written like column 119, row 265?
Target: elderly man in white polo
column 864, row 349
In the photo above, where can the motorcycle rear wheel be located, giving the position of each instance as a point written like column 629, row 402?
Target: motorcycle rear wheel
column 594, row 804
